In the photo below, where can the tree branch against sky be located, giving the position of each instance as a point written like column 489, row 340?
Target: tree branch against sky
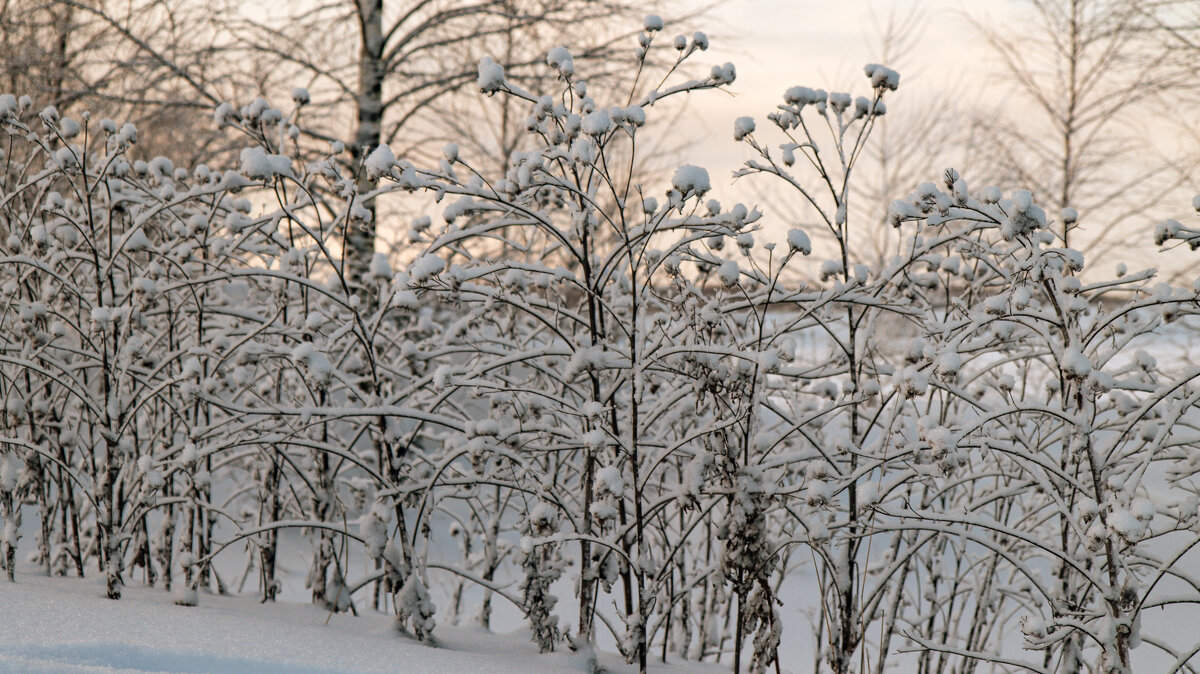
column 1085, row 75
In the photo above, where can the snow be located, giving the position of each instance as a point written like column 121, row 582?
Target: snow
column 1165, row 230
column 597, row 123
column 949, row 363
column 799, row 242
column 831, row 268
column 652, row 22
column 1075, row 364
column 729, row 273
column 742, row 127
column 10, row 471
column 68, row 128
column 1143, row 509
column 136, row 241
column 491, row 75
column 635, row 115
column 691, row 180
column 67, row 157
column 380, row 267
column 802, row 96
column 380, row 162
column 723, row 74
column 560, row 59
column 1126, row 525
column 425, row 267
column 262, row 165
column 67, row 626
column 609, row 477
column 882, row 77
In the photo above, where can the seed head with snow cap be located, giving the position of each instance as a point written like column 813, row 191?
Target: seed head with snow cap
column 882, row 77
column 691, row 180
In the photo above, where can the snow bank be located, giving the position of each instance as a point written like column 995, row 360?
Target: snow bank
column 66, row 625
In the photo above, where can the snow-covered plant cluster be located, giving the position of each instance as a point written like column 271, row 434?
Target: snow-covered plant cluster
column 175, row 364
column 581, row 383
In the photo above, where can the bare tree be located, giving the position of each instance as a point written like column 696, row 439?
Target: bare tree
column 1084, row 74
column 151, row 62
column 50, row 47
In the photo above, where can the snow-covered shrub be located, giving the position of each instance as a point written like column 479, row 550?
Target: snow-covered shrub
column 179, row 355
column 603, row 370
column 541, row 566
column 834, row 445
column 578, row 373
column 106, row 364
column 1057, row 457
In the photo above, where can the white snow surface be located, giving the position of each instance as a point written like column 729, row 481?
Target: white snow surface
column 68, row 626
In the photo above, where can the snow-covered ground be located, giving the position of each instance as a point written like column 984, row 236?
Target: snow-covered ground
column 67, row 625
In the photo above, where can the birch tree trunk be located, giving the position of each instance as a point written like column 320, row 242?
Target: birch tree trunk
column 360, row 237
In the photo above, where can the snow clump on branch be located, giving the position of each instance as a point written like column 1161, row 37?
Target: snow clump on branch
column 380, row 162
column 265, row 166
column 691, row 180
column 491, row 75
